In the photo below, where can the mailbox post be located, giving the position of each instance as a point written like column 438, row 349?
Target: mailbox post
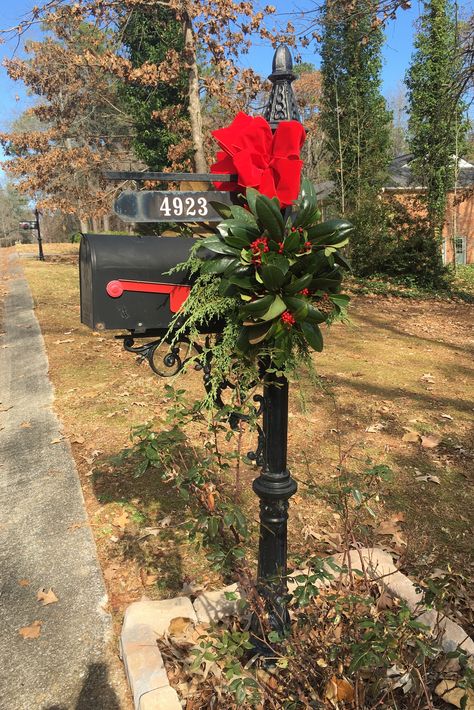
column 126, row 276
column 35, row 224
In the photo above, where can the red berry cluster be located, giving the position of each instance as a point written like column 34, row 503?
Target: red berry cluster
column 258, row 247
column 305, row 292
column 287, row 319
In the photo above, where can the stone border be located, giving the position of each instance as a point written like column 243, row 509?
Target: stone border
column 146, row 621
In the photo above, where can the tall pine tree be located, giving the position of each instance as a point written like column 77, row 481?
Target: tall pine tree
column 356, row 122
column 159, row 113
column 437, row 128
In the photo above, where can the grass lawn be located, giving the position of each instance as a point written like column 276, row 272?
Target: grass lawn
column 402, row 367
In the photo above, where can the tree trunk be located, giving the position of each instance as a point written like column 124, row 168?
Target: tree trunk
column 194, row 103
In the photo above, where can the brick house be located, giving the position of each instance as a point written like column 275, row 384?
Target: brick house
column 458, row 232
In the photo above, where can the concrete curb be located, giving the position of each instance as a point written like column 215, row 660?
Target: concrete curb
column 145, row 621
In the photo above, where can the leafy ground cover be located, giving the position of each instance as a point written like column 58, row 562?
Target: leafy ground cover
column 395, row 388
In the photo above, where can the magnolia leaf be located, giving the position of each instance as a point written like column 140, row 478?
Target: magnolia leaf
column 270, row 216
column 298, row 307
column 242, row 343
column 315, row 316
column 259, row 306
column 221, row 208
column 313, row 335
column 218, row 246
column 325, row 229
column 217, row 266
column 244, row 282
column 292, row 241
column 340, row 300
column 238, row 241
column 251, row 195
column 298, row 285
column 257, row 333
column 276, row 309
column 243, row 215
column 272, row 276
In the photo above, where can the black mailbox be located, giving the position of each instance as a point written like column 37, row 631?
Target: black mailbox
column 124, row 284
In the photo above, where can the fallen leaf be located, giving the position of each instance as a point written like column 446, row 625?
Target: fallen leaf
column 450, row 693
column 75, row 526
column 121, row 521
column 32, row 631
column 430, row 442
column 339, row 689
column 110, row 572
column 447, row 416
column 433, row 479
column 179, row 625
column 391, row 527
column 148, row 579
column 78, row 440
column 46, row 597
column 411, row 437
column 24, row 582
column 428, row 377
column 57, row 440
column 296, row 499
column 66, row 340
column 5, row 409
column 25, row 425
column 385, row 601
column 375, row 428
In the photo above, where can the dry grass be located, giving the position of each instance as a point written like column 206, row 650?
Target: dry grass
column 376, row 369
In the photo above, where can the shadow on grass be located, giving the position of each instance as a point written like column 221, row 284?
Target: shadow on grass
column 382, row 324
column 153, row 538
column 399, row 392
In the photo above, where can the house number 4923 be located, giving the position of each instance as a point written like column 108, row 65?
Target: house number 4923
column 184, row 206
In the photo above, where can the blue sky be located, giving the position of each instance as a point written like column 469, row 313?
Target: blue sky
column 397, row 52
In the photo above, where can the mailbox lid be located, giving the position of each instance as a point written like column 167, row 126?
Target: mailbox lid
column 108, row 258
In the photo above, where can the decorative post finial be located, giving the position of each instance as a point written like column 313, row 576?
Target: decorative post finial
column 281, row 105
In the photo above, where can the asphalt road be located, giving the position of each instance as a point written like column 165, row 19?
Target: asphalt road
column 45, row 540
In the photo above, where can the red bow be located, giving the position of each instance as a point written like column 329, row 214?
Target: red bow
column 268, row 162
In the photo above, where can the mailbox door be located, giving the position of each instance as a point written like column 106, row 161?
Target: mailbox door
column 124, row 284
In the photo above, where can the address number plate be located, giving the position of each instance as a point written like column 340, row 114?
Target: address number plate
column 155, row 206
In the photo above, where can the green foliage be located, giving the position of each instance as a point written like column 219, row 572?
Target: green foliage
column 437, row 128
column 353, row 111
column 272, row 280
column 398, row 243
column 147, row 35
column 199, row 475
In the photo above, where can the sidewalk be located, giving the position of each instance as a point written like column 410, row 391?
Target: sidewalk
column 45, row 540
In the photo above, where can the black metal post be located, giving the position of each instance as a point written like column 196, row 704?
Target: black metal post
column 275, row 486
column 40, row 241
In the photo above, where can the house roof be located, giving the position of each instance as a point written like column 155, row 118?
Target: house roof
column 400, row 174
column 400, row 177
